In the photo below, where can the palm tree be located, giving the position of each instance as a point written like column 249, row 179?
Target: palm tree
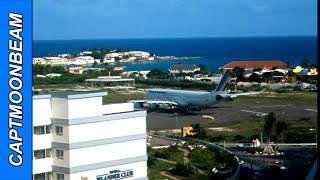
column 289, row 64
column 290, row 74
column 268, row 125
column 306, row 63
column 280, row 126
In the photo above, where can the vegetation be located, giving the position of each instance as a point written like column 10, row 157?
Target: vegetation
column 171, row 153
column 65, row 78
column 197, row 132
column 294, row 130
column 202, row 158
column 182, row 170
column 238, row 72
column 203, row 69
column 280, row 127
column 155, row 169
column 268, row 125
column 46, row 69
column 158, row 74
column 184, row 84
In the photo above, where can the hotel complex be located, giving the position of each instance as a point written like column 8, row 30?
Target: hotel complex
column 76, row 137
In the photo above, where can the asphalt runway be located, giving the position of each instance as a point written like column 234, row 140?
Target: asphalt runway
column 225, row 113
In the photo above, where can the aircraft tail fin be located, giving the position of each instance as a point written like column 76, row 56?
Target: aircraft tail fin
column 224, row 81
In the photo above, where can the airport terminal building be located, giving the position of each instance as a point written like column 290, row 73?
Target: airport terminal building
column 76, row 137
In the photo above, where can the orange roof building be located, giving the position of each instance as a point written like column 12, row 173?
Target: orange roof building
column 254, row 64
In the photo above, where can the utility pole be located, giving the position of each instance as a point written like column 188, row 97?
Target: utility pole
column 261, row 115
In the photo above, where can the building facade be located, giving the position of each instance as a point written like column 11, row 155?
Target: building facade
column 184, row 68
column 76, row 137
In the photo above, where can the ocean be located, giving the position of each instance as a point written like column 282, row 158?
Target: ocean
column 213, row 52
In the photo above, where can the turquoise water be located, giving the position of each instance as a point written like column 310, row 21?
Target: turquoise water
column 214, row 52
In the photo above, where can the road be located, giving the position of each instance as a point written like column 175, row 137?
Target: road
column 296, row 160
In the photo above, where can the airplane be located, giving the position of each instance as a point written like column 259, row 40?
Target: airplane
column 190, row 100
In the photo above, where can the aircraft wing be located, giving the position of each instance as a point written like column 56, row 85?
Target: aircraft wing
column 233, row 95
column 154, row 102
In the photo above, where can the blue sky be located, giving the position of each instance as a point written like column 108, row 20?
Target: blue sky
column 106, row 19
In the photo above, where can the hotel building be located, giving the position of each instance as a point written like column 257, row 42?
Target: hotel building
column 76, row 137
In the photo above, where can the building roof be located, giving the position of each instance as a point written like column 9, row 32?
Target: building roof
column 72, row 65
column 184, row 66
column 77, row 94
column 254, row 64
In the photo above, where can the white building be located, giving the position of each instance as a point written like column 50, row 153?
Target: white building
column 139, row 54
column 38, row 61
column 76, row 137
column 113, row 55
column 184, row 68
column 81, row 60
column 64, row 55
column 56, row 60
column 108, row 60
column 85, row 53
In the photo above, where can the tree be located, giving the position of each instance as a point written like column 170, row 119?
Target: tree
column 255, row 78
column 238, row 71
column 158, row 74
column 290, row 74
column 181, row 170
column 267, row 76
column 95, row 64
column 268, row 125
column 203, row 69
column 289, row 64
column 198, row 131
column 280, row 127
column 306, row 63
column 106, row 67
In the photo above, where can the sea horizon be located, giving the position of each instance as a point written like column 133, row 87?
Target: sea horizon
column 200, row 37
column 214, row 51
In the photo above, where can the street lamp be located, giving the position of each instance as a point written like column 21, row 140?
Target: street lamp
column 316, row 137
column 176, row 115
column 261, row 115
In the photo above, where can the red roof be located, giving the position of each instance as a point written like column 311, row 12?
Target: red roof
column 254, row 64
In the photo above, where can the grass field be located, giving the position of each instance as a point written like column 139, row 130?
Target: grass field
column 156, row 168
column 279, row 98
column 122, row 95
column 296, row 132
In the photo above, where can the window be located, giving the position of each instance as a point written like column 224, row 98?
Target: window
column 39, row 176
column 59, row 130
column 59, row 154
column 48, row 152
column 39, row 154
column 38, row 130
column 48, row 129
column 48, row 176
column 60, row 176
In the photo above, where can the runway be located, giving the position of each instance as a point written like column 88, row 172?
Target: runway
column 225, row 113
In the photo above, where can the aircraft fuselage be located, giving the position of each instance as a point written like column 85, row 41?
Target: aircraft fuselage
column 184, row 98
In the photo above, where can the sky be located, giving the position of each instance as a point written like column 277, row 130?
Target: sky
column 113, row 19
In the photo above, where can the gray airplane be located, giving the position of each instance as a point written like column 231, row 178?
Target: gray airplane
column 189, row 100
